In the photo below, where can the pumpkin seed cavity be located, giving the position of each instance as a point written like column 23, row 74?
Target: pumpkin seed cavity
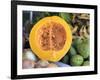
column 52, row 36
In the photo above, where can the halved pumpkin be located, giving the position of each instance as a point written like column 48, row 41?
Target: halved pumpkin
column 50, row 38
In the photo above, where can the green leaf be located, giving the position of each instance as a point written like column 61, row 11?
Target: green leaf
column 66, row 16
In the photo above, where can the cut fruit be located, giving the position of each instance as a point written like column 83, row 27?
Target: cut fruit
column 53, row 37
column 50, row 38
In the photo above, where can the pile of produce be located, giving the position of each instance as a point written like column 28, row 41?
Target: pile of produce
column 78, row 54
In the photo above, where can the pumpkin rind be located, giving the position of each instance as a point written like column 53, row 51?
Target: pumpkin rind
column 50, row 55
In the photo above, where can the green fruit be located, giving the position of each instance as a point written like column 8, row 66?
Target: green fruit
column 76, row 41
column 72, row 51
column 76, row 60
column 83, row 49
column 65, row 59
column 87, row 40
column 86, row 63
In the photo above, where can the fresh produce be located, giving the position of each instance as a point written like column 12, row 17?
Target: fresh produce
column 28, row 54
column 44, row 51
column 27, row 64
column 65, row 59
column 86, row 63
column 83, row 49
column 76, row 42
column 72, row 51
column 42, row 64
column 66, row 16
column 76, row 60
column 50, row 38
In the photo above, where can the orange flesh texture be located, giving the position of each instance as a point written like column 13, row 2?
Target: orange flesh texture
column 50, row 38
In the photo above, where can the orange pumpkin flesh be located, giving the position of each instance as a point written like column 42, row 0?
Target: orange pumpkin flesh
column 50, row 38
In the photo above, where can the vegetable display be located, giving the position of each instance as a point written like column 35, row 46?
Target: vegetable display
column 52, row 39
